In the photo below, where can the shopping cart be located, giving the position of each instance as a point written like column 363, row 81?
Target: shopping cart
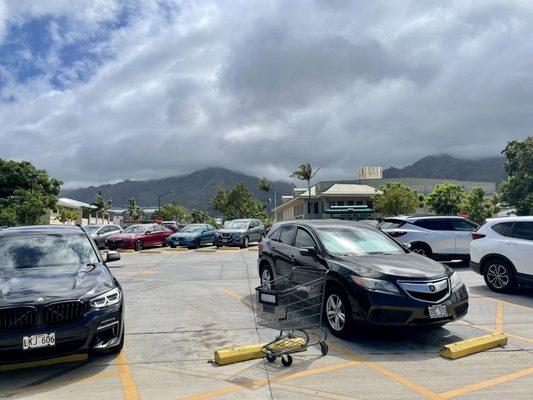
column 292, row 305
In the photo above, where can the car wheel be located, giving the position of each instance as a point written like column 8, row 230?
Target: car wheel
column 266, row 277
column 499, row 276
column 422, row 249
column 173, row 246
column 138, row 245
column 197, row 244
column 165, row 243
column 337, row 312
column 245, row 242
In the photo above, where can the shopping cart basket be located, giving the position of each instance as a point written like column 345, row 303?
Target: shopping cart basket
column 292, row 305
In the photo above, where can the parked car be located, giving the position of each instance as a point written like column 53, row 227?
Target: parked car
column 138, row 237
column 100, row 233
column 502, row 251
column 193, row 236
column 58, row 296
column 172, row 225
column 439, row 238
column 370, row 279
column 240, row 232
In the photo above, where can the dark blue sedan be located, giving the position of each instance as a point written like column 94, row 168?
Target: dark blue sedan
column 193, row 236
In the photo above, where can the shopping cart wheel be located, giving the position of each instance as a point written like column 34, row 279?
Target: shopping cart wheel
column 270, row 357
column 286, row 360
column 324, row 348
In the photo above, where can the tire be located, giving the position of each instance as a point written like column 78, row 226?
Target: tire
column 245, row 242
column 139, row 245
column 165, row 243
column 266, row 272
column 197, row 244
column 270, row 357
column 422, row 249
column 324, row 348
column 499, row 275
column 335, row 313
column 173, row 246
column 286, row 360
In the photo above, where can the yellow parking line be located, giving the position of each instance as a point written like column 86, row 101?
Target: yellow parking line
column 264, row 382
column 488, row 383
column 370, row 364
column 499, row 317
column 236, row 296
column 126, row 378
column 52, row 361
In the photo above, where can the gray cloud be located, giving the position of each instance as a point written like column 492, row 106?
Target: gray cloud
column 263, row 86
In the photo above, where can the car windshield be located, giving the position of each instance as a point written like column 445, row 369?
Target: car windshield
column 135, row 229
column 358, row 241
column 192, row 228
column 236, row 225
column 92, row 229
column 39, row 251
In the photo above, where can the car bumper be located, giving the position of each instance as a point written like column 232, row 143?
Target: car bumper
column 474, row 266
column 120, row 244
column 98, row 330
column 382, row 309
column 182, row 241
column 229, row 241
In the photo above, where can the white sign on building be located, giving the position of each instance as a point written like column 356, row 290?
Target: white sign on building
column 370, row 173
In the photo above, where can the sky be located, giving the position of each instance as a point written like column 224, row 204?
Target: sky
column 100, row 91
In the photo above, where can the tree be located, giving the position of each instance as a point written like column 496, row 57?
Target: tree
column 237, row 203
column 446, row 198
column 478, row 206
column 517, row 190
column 173, row 212
column 134, row 211
column 26, row 191
column 265, row 185
column 67, row 215
column 396, row 199
column 200, row 217
column 102, row 205
column 8, row 216
column 305, row 173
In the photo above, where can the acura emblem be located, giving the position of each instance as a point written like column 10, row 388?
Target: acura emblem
column 432, row 288
column 39, row 299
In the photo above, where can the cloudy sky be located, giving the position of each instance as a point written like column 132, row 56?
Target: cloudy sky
column 100, row 90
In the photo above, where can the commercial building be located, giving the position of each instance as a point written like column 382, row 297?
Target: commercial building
column 87, row 213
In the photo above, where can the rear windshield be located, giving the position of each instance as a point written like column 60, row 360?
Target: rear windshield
column 236, row 225
column 391, row 224
column 38, row 251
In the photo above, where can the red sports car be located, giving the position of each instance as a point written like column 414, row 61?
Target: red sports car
column 138, row 237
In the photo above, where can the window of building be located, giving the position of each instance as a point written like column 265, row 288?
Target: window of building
column 315, row 208
column 359, row 202
column 340, row 202
column 350, row 202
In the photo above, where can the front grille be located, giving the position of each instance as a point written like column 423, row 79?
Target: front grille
column 226, row 235
column 432, row 292
column 63, row 313
column 17, row 318
column 432, row 297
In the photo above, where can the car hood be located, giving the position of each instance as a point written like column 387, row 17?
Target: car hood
column 178, row 235
column 123, row 236
column 54, row 283
column 407, row 265
column 228, row 230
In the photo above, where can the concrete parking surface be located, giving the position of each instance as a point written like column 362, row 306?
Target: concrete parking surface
column 181, row 306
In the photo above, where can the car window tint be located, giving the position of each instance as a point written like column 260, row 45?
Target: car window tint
column 391, row 224
column 274, row 235
column 304, row 239
column 287, row 234
column 462, row 225
column 434, row 224
column 523, row 230
column 504, row 229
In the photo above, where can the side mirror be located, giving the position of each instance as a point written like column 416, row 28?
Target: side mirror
column 112, row 256
column 308, row 252
column 407, row 245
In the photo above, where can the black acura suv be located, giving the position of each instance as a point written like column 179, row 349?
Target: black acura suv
column 57, row 295
column 371, row 278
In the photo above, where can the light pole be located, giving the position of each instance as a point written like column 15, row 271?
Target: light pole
column 161, row 195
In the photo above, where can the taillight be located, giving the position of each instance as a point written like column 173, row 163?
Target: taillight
column 476, row 235
column 397, row 233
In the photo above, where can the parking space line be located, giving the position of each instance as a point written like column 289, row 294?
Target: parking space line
column 488, row 383
column 499, row 317
column 126, row 378
column 41, row 363
column 273, row 379
column 528, row 308
column 370, row 364
column 236, row 296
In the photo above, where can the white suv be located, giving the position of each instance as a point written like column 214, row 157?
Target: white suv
column 502, row 251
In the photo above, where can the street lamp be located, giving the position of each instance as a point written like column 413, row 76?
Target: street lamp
column 161, row 195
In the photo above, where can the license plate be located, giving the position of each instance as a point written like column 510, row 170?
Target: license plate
column 224, row 240
column 438, row 311
column 37, row 341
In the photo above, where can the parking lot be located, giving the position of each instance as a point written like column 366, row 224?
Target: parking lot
column 183, row 305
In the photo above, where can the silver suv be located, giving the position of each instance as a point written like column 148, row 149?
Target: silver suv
column 438, row 237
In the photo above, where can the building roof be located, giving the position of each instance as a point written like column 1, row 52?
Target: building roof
column 71, row 203
column 350, row 190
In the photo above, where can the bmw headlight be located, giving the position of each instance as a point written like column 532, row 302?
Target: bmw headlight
column 455, row 280
column 107, row 299
column 376, row 285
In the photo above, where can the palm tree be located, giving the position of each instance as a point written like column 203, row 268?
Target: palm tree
column 305, row 173
column 102, row 205
column 265, row 185
column 133, row 209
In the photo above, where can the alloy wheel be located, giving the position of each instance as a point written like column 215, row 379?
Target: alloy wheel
column 498, row 276
column 419, row 250
column 335, row 312
column 266, row 278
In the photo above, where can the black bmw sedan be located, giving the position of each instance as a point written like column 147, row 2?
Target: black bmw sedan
column 371, row 278
column 56, row 295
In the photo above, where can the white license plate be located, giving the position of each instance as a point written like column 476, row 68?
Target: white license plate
column 37, row 341
column 438, row 311
column 224, row 240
